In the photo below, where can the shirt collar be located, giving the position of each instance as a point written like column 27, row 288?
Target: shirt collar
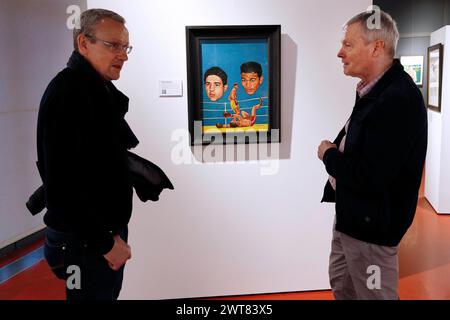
column 363, row 88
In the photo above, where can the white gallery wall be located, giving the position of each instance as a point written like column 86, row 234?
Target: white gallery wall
column 227, row 229
column 437, row 178
column 35, row 44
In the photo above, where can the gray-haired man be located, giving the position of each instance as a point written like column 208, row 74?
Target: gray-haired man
column 375, row 164
column 82, row 142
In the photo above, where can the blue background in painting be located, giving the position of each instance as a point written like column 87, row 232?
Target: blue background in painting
column 229, row 55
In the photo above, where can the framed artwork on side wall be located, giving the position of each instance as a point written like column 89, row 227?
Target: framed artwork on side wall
column 435, row 63
column 233, row 87
column 413, row 65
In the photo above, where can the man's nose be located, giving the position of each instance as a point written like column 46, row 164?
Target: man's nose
column 123, row 56
column 340, row 53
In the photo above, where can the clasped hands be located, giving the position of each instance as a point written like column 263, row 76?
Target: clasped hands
column 323, row 147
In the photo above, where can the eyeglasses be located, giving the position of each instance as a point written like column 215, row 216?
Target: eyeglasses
column 113, row 46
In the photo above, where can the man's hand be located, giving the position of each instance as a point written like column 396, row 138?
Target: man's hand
column 323, row 147
column 119, row 253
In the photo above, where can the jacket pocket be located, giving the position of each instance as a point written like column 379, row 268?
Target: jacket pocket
column 55, row 252
column 363, row 214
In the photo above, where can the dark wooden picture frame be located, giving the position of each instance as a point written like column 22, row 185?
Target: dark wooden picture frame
column 435, row 77
column 236, row 113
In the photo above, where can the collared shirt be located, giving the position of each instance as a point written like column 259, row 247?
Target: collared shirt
column 362, row 89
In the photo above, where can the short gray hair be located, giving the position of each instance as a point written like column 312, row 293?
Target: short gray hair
column 386, row 31
column 89, row 20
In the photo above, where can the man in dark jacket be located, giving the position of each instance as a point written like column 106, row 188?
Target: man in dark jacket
column 82, row 141
column 375, row 164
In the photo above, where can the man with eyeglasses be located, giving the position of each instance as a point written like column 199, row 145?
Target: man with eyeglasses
column 82, row 143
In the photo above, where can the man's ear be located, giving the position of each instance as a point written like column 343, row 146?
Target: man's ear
column 261, row 79
column 378, row 48
column 225, row 87
column 82, row 43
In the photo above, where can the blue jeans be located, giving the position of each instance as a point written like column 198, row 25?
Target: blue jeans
column 98, row 280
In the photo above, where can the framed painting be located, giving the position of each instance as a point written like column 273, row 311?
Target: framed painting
column 233, row 84
column 413, row 65
column 435, row 63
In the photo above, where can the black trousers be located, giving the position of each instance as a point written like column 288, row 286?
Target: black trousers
column 68, row 256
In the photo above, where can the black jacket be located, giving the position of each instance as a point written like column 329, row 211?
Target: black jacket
column 379, row 174
column 147, row 178
column 82, row 142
